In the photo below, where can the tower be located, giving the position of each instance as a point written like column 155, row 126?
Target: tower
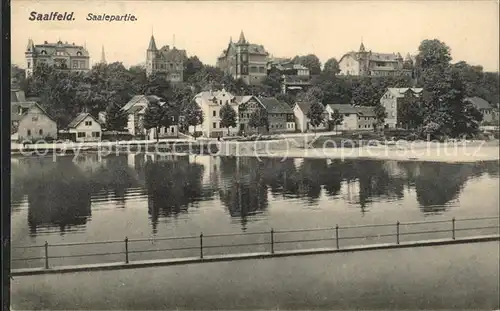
column 242, row 58
column 363, row 60
column 30, row 57
column 151, row 55
column 103, row 56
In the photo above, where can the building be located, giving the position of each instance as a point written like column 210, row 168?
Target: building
column 83, row 128
column 390, row 101
column 135, row 110
column 29, row 121
column 61, row 55
column 168, row 61
column 368, row 63
column 294, row 77
column 210, row 103
column 303, row 123
column 244, row 60
column 354, row 118
column 490, row 113
column 280, row 115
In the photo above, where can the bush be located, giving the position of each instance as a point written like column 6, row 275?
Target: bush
column 197, row 134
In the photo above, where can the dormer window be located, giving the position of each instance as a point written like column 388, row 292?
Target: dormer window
column 44, row 52
column 79, row 53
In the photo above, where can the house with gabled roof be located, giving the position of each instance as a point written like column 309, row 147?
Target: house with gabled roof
column 210, row 103
column 135, row 109
column 394, row 97
column 353, row 117
column 368, row 63
column 83, row 128
column 244, row 60
column 29, row 121
column 489, row 112
column 303, row 123
column 279, row 114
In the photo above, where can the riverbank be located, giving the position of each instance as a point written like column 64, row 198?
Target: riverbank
column 296, row 147
column 402, row 151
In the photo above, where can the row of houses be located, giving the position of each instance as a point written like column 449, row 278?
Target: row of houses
column 31, row 122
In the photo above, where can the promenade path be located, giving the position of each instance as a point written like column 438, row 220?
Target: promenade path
column 461, row 276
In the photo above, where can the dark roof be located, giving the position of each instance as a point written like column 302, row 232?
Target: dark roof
column 273, row 105
column 14, row 110
column 478, row 102
column 342, row 108
column 68, row 49
column 360, row 110
column 174, row 54
column 366, row 111
column 292, row 79
column 78, row 119
column 152, row 44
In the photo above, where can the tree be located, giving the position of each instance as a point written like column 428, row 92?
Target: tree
column 192, row 115
column 273, row 83
column 380, row 115
column 116, row 118
column 258, row 119
column 228, row 117
column 410, row 113
column 316, row 114
column 336, row 118
column 157, row 115
column 191, row 67
column 310, row 61
column 433, row 53
column 332, row 66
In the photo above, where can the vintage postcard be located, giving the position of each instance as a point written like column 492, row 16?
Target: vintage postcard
column 256, row 155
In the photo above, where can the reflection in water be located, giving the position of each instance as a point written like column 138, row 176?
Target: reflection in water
column 172, row 186
column 60, row 194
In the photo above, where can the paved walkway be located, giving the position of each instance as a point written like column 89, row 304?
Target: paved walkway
column 464, row 276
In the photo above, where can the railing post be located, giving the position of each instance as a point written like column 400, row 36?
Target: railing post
column 201, row 245
column 337, row 235
column 126, row 249
column 46, row 255
column 453, row 228
column 397, row 232
column 272, row 241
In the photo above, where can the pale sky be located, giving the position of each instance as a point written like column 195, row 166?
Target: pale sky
column 325, row 28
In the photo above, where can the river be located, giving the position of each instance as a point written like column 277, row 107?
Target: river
column 146, row 196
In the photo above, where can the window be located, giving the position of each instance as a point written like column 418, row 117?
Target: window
column 40, row 132
column 215, row 113
column 28, row 132
column 171, row 66
column 29, row 64
column 96, row 134
column 220, row 101
column 34, row 118
column 79, row 53
column 172, row 129
column 81, row 134
column 227, row 102
column 44, row 52
column 214, row 125
column 75, row 64
column 82, row 64
column 88, row 123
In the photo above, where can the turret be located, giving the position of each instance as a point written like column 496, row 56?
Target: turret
column 242, row 39
column 151, row 55
column 30, row 57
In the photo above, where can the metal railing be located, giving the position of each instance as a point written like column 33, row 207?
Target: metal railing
column 269, row 240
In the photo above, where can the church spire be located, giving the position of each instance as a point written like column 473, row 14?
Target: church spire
column 242, row 39
column 152, row 44
column 103, row 56
column 31, row 46
column 362, row 46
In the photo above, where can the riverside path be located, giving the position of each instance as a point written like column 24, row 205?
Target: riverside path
column 460, row 276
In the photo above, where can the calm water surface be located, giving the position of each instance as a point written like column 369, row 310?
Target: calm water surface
column 140, row 195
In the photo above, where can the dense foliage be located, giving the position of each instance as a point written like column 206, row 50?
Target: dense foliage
column 106, row 87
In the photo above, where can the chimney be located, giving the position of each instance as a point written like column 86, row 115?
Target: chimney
column 45, row 42
column 73, row 43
